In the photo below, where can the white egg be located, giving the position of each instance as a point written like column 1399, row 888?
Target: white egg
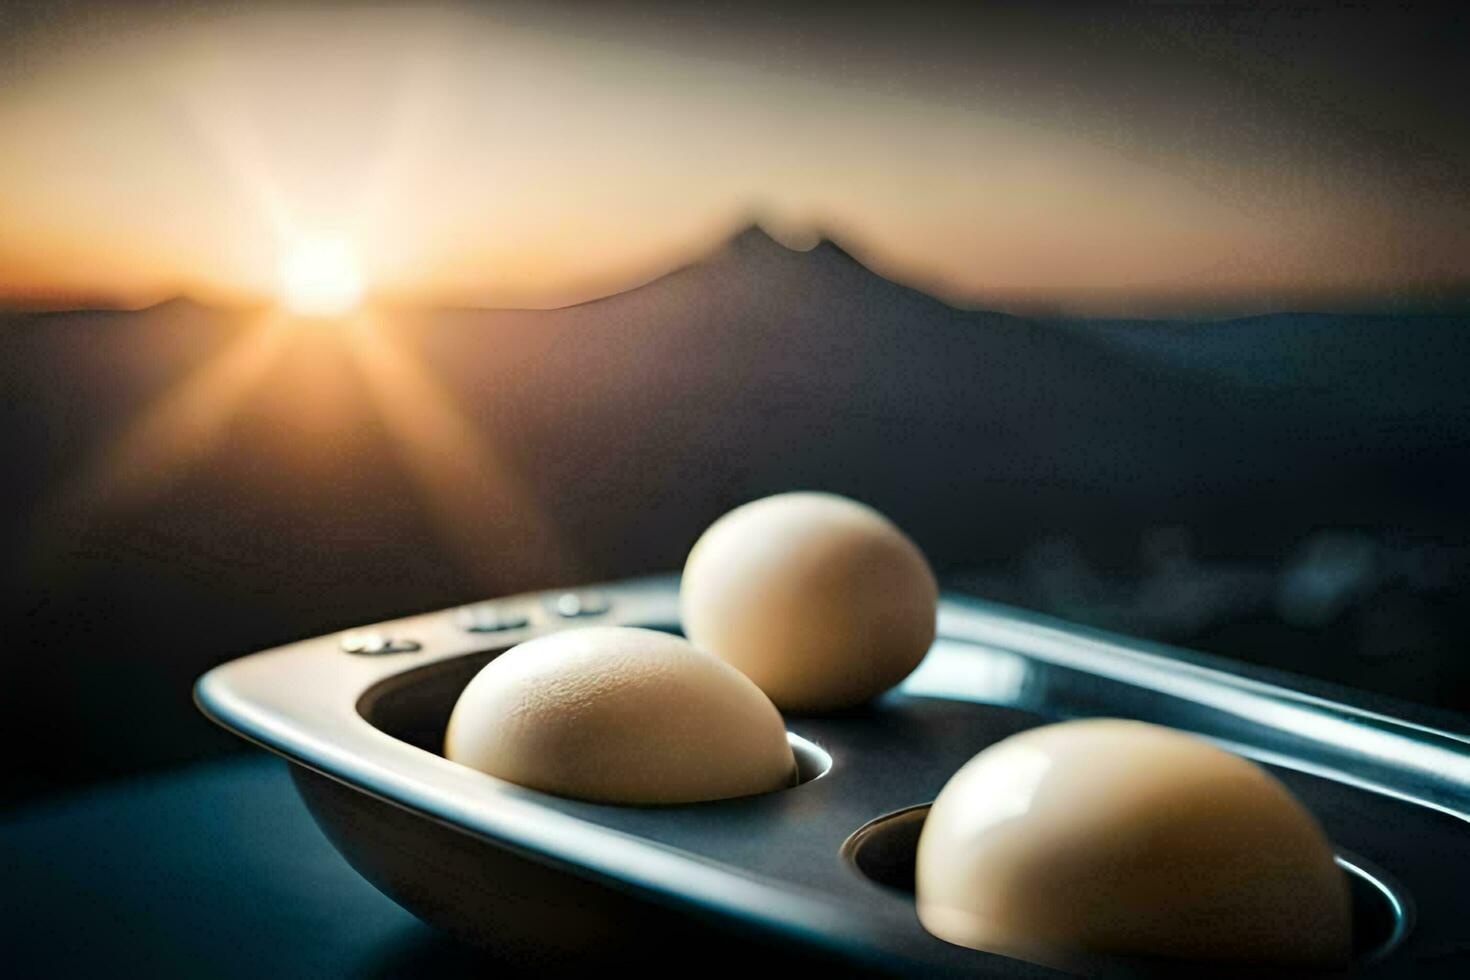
column 620, row 715
column 1121, row 838
column 820, row 600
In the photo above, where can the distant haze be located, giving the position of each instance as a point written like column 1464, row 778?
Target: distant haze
column 1103, row 161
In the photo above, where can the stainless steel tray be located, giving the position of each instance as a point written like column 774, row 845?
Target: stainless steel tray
column 361, row 716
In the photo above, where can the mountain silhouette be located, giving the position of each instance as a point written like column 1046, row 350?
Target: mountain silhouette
column 518, row 449
column 775, row 367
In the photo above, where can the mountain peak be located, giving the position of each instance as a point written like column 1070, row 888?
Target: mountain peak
column 759, row 240
column 755, row 238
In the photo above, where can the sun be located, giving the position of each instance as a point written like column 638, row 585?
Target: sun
column 320, row 276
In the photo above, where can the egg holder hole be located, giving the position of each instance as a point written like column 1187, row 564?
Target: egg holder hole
column 414, row 707
column 884, row 850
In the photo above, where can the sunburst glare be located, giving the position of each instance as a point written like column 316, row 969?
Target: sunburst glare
column 320, row 276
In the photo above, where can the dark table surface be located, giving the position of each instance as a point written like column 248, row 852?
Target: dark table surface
column 216, row 870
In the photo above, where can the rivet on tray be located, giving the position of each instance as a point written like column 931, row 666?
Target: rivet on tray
column 371, row 643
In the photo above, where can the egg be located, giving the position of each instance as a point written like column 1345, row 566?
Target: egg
column 821, row 600
column 1123, row 838
column 620, row 715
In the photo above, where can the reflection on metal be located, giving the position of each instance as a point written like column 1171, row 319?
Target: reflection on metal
column 973, row 674
column 1086, row 672
column 1400, row 907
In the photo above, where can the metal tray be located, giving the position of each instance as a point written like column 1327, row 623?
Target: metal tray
column 823, row 871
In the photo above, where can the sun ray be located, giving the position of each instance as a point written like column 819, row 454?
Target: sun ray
column 238, row 152
column 480, row 505
column 174, row 432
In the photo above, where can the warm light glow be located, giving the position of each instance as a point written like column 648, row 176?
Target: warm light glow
column 458, row 468
column 321, row 277
column 523, row 157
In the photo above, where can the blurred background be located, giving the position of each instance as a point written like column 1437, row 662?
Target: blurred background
column 1151, row 317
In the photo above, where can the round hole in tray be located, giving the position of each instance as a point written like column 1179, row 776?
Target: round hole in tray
column 883, row 851
column 812, row 761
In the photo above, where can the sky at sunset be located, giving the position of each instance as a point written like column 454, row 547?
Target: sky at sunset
column 528, row 155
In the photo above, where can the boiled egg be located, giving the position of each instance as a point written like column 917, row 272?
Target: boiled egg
column 1122, row 838
column 821, row 600
column 620, row 715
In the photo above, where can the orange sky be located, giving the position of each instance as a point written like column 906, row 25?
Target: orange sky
column 506, row 159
